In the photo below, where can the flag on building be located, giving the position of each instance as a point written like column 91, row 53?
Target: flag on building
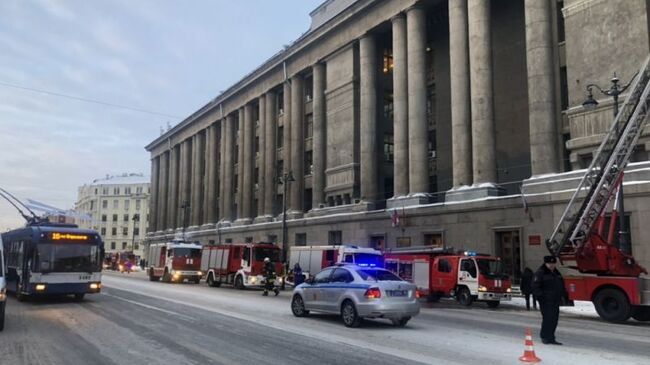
column 523, row 200
column 394, row 218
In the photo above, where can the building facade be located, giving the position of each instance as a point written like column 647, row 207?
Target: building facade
column 439, row 112
column 118, row 208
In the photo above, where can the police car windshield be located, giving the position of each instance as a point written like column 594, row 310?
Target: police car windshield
column 377, row 275
column 492, row 269
column 187, row 252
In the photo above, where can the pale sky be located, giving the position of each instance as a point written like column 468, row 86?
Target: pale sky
column 162, row 56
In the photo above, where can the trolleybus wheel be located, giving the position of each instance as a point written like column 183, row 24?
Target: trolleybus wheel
column 612, row 305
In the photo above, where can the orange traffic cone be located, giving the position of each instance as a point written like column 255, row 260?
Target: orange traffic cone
column 529, row 350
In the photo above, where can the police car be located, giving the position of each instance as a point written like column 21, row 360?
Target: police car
column 357, row 292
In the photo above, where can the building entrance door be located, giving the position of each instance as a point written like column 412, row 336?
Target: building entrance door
column 377, row 242
column 508, row 247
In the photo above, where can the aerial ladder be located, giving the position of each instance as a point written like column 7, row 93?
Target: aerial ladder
column 611, row 278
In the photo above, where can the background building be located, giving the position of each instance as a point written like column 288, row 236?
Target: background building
column 439, row 111
column 118, row 208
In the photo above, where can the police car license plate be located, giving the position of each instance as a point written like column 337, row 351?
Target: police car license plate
column 396, row 293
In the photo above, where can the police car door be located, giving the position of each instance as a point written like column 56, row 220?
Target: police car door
column 468, row 275
column 337, row 287
column 314, row 292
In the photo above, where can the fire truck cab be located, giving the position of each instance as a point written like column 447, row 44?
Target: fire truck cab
column 313, row 259
column 239, row 264
column 466, row 276
column 175, row 261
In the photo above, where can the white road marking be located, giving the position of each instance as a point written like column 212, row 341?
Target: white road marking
column 187, row 318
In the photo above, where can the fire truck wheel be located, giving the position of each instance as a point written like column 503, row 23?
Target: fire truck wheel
column 166, row 277
column 349, row 314
column 612, row 305
column 210, row 280
column 401, row 322
column 298, row 306
column 641, row 313
column 239, row 282
column 464, row 297
column 493, row 304
column 152, row 277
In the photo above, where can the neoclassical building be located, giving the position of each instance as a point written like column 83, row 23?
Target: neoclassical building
column 409, row 122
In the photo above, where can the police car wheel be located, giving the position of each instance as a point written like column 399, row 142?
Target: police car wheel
column 349, row 314
column 298, row 306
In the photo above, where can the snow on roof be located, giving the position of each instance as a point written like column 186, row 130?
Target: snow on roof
column 124, row 179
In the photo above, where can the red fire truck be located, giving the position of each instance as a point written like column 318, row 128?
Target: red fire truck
column 239, row 264
column 175, row 261
column 466, row 276
column 126, row 261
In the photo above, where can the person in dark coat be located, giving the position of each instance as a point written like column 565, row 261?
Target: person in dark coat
column 548, row 288
column 527, row 287
column 298, row 277
column 269, row 277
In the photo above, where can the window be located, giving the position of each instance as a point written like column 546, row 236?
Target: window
column 280, row 168
column 323, row 276
column 309, row 165
column 444, row 265
column 104, row 204
column 273, row 238
column 309, row 126
column 112, row 245
column 235, row 157
column 114, row 231
column 136, row 231
column 125, row 231
column 126, row 217
column 257, row 146
column 116, row 204
column 280, row 105
column 138, row 190
column 389, row 148
column 137, row 246
column 280, row 137
column 137, row 204
column 114, row 217
column 403, row 241
column 249, row 240
column 307, row 205
column 236, row 183
column 127, row 191
column 469, row 267
column 256, row 177
column 92, row 205
column 301, row 239
column 96, row 191
column 103, row 231
column 433, row 239
column 116, row 191
column 341, row 276
column 335, row 237
column 103, row 217
column 228, row 240
column 124, row 245
column 309, row 88
column 105, row 191
column 127, row 204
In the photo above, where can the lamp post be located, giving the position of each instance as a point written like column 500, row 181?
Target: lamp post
column 184, row 206
column 284, row 181
column 590, row 103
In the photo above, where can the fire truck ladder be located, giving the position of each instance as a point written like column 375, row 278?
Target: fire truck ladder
column 605, row 172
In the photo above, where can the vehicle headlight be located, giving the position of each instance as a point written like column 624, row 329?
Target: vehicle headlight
column 121, row 267
column 482, row 288
column 252, row 279
column 40, row 287
column 199, row 273
column 95, row 286
column 509, row 290
column 3, row 294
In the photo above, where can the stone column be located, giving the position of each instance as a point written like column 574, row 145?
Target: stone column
column 368, row 104
column 153, row 203
column 297, row 143
column 172, row 207
column 228, row 171
column 249, row 162
column 270, row 157
column 417, row 101
column 461, row 125
column 240, row 164
column 185, row 182
column 480, row 48
column 541, row 87
column 286, row 120
column 210, row 198
column 400, row 108
column 319, row 144
column 262, row 155
column 162, row 191
column 222, row 168
column 198, row 152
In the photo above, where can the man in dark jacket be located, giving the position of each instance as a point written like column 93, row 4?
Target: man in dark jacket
column 269, row 277
column 548, row 289
column 527, row 287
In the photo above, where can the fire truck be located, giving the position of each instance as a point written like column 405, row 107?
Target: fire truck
column 314, row 258
column 239, row 264
column 609, row 277
column 126, row 261
column 174, row 261
column 465, row 276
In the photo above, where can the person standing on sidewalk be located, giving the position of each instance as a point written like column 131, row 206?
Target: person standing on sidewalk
column 527, row 287
column 548, row 288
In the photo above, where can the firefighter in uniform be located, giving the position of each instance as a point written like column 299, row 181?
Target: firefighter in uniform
column 549, row 290
column 269, row 277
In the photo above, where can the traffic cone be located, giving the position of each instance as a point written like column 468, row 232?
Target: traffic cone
column 529, row 350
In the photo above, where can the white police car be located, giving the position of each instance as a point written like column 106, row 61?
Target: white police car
column 357, row 292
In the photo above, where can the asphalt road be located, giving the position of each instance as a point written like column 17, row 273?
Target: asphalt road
column 139, row 322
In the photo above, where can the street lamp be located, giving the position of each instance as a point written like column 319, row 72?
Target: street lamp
column 185, row 206
column 284, row 180
column 590, row 103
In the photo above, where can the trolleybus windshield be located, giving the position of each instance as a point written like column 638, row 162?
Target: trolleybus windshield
column 67, row 257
